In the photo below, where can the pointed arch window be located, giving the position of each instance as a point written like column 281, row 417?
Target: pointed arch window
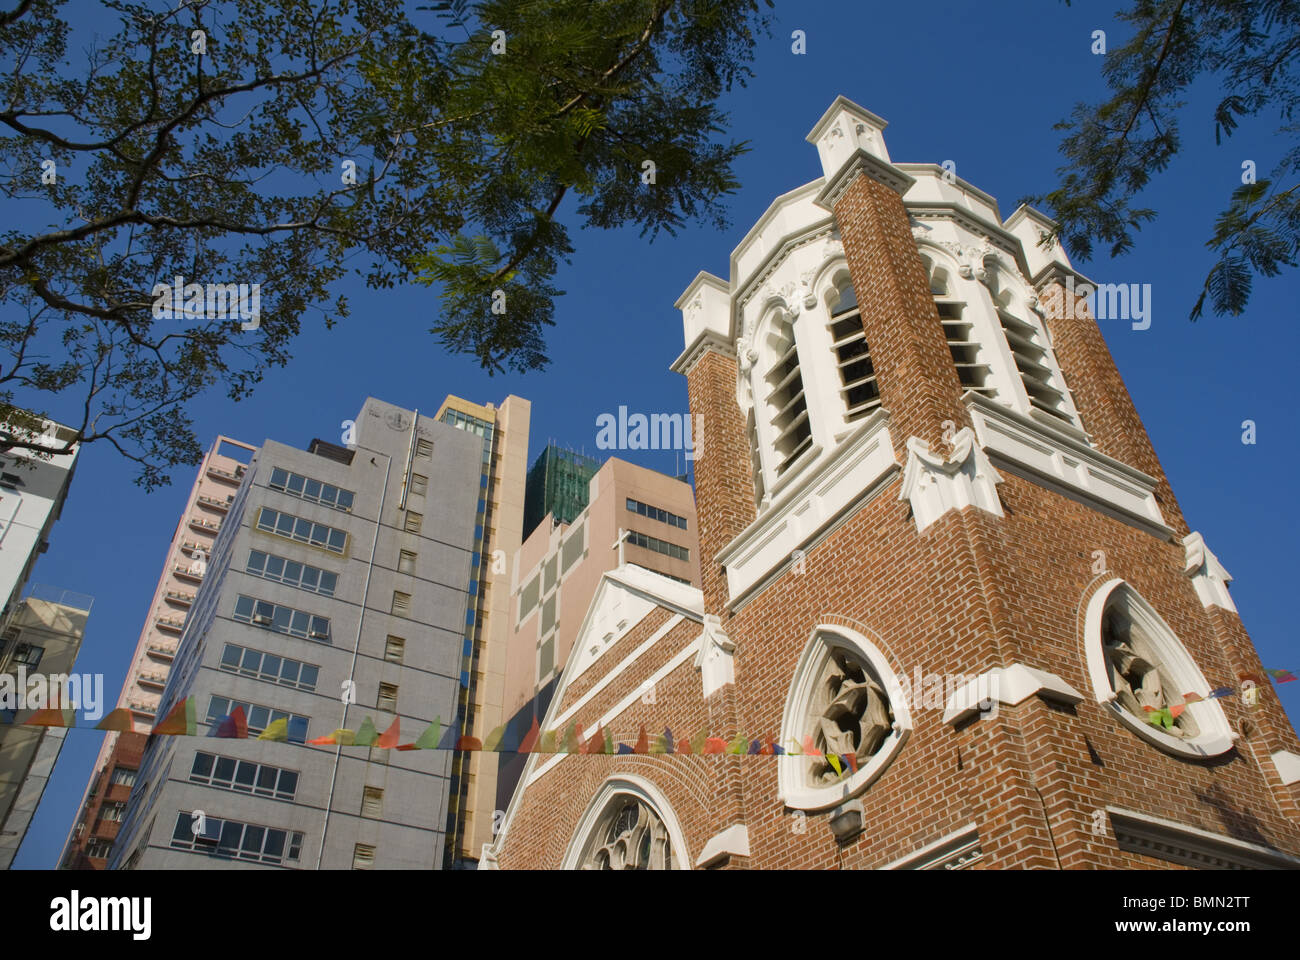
column 858, row 386
column 785, row 399
column 959, row 331
column 844, row 699
column 628, row 826
column 1143, row 672
column 1033, row 358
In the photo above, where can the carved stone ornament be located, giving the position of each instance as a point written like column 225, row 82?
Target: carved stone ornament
column 850, row 714
column 935, row 484
column 1139, row 679
column 1207, row 574
column 715, row 657
column 629, row 837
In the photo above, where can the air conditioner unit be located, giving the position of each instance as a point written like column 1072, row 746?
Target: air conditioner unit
column 317, row 635
column 262, row 619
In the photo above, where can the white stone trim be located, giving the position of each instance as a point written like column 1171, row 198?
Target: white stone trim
column 936, row 484
column 950, row 852
column 1156, row 837
column 790, row 770
column 613, row 712
column 716, row 656
column 1207, row 574
column 731, row 842
column 1288, row 766
column 642, row 648
column 645, row 791
column 1053, row 458
column 1216, row 736
column 1010, row 685
column 857, row 467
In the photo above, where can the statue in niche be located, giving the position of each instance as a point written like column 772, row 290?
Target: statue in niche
column 629, row 837
column 851, row 715
column 1139, row 678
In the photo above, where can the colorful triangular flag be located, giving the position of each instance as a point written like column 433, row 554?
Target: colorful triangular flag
column 277, row 731
column 388, row 739
column 366, row 735
column 179, row 721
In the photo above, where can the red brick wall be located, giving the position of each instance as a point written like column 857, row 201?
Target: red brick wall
column 972, row 592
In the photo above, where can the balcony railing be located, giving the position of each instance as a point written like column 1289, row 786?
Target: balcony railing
column 164, row 650
column 187, row 573
column 175, row 596
column 170, row 623
column 158, row 680
column 226, row 475
column 213, row 503
column 207, row 526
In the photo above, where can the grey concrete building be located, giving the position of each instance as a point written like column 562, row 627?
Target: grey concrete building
column 333, row 564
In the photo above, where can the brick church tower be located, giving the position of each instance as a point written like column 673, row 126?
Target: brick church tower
column 935, row 540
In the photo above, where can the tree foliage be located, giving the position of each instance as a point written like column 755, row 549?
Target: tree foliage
column 224, row 157
column 1116, row 147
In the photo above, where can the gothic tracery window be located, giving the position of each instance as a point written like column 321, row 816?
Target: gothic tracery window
column 628, row 836
column 1143, row 685
column 849, row 714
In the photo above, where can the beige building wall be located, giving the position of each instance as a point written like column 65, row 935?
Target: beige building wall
column 567, row 571
column 502, row 536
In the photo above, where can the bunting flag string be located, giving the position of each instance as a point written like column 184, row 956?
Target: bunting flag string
column 180, row 721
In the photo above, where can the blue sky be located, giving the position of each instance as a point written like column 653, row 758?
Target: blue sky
column 978, row 84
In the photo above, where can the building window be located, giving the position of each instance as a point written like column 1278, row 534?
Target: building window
column 372, row 803
column 846, row 701
column 628, row 826
column 303, row 530
column 301, row 575
column 858, row 387
column 236, row 840
column 414, row 522
column 394, row 649
column 959, row 332
column 419, row 484
column 304, row 488
column 112, row 812
column 363, row 856
column 270, row 667
column 406, row 561
column 244, row 776
column 122, row 777
column 782, row 392
column 529, row 596
column 259, row 717
column 1142, row 671
column 28, row 654
column 388, row 697
column 282, row 619
column 658, row 546
column 401, row 603
column 655, row 513
column 423, row 448
column 99, row 849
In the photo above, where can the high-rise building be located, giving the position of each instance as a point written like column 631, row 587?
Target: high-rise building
column 498, row 519
column 337, row 589
column 943, row 574
column 33, row 489
column 184, row 567
column 557, row 484
column 633, row 515
column 42, row 635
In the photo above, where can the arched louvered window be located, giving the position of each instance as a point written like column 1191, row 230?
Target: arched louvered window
column 858, row 384
column 959, row 331
column 786, row 404
column 1032, row 356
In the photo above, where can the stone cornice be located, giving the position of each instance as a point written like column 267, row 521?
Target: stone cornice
column 868, row 165
column 1180, row 843
column 707, row 342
